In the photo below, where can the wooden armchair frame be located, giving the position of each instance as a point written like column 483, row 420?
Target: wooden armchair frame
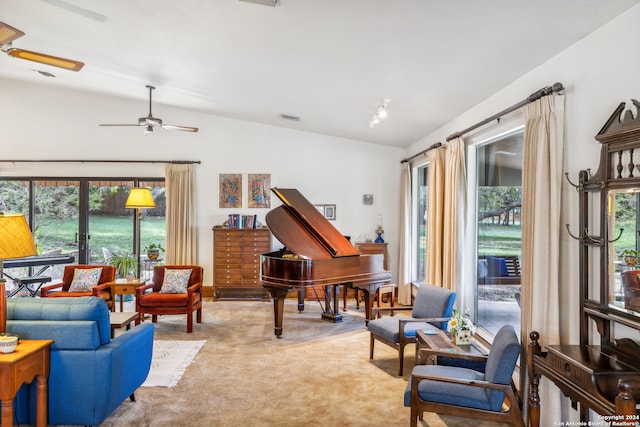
column 403, row 340
column 193, row 297
column 102, row 290
column 511, row 412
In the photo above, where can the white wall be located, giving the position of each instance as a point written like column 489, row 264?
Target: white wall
column 598, row 72
column 38, row 122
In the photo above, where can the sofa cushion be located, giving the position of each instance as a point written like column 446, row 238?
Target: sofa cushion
column 175, row 281
column 63, row 309
column 84, row 279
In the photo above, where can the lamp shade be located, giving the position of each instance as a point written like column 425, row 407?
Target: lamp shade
column 140, row 198
column 15, row 237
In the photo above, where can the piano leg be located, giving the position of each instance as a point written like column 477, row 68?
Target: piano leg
column 278, row 295
column 302, row 292
column 329, row 313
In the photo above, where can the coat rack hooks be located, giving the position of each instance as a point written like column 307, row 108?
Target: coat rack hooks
column 577, row 187
column 585, row 236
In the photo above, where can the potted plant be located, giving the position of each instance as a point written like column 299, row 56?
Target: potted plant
column 630, row 256
column 126, row 265
column 153, row 250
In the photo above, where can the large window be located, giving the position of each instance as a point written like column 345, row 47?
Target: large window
column 85, row 217
column 497, row 166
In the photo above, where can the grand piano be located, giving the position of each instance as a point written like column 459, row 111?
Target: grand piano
column 315, row 253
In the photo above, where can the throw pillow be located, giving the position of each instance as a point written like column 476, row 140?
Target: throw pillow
column 175, row 281
column 85, row 279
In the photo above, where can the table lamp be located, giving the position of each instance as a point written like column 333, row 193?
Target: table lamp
column 139, row 198
column 15, row 242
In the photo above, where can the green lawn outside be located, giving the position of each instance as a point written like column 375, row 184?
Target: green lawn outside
column 495, row 240
column 112, row 232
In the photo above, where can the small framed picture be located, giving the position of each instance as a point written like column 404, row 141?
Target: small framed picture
column 330, row 212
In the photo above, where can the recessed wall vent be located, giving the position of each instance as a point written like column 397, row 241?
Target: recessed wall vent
column 290, row 117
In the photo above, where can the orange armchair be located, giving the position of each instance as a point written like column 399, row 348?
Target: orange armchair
column 156, row 302
column 101, row 290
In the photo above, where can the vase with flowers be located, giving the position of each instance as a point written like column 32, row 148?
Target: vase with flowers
column 461, row 327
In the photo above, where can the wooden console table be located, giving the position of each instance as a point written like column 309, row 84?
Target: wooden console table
column 29, row 361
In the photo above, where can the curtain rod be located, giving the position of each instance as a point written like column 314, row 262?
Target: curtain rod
column 556, row 87
column 173, row 162
column 436, row 145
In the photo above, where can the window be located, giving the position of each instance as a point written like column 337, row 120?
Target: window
column 419, row 234
column 84, row 217
column 495, row 171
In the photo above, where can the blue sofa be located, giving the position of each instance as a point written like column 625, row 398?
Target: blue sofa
column 91, row 374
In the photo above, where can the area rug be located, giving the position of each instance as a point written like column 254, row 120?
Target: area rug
column 169, row 361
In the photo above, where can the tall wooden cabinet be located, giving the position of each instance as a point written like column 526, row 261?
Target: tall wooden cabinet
column 236, row 262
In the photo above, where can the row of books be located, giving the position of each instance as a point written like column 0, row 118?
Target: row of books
column 242, row 221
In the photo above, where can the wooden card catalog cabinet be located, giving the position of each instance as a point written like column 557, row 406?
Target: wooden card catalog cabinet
column 236, row 262
column 604, row 375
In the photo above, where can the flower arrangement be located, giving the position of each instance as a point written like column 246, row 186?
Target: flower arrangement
column 461, row 322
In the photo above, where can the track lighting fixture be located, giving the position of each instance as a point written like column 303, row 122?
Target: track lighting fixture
column 381, row 112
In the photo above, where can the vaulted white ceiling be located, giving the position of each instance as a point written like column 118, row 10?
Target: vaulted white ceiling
column 330, row 62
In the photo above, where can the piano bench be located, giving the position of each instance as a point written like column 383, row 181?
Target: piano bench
column 22, row 283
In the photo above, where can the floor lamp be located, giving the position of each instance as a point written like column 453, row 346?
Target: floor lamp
column 139, row 198
column 15, row 242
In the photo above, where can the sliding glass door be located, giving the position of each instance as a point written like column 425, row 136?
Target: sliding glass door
column 86, row 217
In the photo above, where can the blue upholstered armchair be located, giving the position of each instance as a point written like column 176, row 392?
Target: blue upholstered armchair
column 431, row 309
column 91, row 374
column 465, row 392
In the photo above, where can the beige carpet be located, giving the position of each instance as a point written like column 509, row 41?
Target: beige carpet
column 318, row 374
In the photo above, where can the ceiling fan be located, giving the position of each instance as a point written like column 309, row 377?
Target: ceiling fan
column 8, row 34
column 151, row 122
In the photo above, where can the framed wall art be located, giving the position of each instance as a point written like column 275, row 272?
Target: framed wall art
column 328, row 211
column 230, row 190
column 259, row 190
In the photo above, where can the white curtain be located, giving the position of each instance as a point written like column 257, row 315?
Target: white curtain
column 180, row 183
column 435, row 216
column 455, row 198
column 541, row 228
column 404, row 256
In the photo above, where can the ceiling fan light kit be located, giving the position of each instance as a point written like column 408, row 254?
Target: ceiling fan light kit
column 8, row 34
column 149, row 122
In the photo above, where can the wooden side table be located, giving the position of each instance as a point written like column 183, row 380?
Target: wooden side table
column 439, row 341
column 29, row 361
column 124, row 288
column 123, row 320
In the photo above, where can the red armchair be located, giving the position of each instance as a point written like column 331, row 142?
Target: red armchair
column 101, row 290
column 156, row 302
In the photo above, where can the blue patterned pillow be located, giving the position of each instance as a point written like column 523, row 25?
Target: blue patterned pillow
column 85, row 279
column 175, row 281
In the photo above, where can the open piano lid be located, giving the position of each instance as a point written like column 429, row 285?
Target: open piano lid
column 303, row 230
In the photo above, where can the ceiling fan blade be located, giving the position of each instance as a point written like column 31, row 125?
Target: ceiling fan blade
column 117, row 124
column 184, row 128
column 8, row 33
column 42, row 58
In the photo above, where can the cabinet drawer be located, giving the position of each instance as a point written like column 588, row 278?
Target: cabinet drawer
column 228, row 264
column 251, row 282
